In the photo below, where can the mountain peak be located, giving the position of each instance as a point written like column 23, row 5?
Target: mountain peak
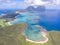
column 37, row 9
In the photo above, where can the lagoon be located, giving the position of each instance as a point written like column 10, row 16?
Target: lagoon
column 50, row 19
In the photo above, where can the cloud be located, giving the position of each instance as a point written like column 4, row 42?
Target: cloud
column 36, row 2
column 19, row 4
column 53, row 4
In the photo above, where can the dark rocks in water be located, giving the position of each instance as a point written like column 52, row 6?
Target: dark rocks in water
column 38, row 9
column 9, row 19
column 10, row 15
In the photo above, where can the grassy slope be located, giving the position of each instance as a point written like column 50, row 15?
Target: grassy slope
column 11, row 35
column 54, row 39
column 3, row 23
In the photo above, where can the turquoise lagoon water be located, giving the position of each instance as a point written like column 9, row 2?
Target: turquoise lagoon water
column 27, row 17
column 31, row 19
column 34, row 34
column 49, row 21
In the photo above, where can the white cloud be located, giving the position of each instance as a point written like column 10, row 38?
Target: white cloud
column 53, row 4
column 9, row 4
column 35, row 2
column 39, row 2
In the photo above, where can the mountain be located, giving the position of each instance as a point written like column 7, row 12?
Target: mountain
column 38, row 9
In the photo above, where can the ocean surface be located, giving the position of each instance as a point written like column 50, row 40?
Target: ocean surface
column 50, row 19
column 33, row 33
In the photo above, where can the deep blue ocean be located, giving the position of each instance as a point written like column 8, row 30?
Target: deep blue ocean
column 50, row 19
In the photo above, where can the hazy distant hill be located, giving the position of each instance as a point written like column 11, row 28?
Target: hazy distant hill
column 38, row 9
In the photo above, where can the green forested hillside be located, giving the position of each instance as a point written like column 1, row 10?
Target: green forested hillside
column 12, row 35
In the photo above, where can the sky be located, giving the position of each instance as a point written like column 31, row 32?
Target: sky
column 19, row 4
column 12, row 4
column 49, row 4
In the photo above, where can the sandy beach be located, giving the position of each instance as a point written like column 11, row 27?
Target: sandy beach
column 44, row 35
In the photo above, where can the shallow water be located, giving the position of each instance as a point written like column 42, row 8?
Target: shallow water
column 31, row 19
column 33, row 33
column 50, row 19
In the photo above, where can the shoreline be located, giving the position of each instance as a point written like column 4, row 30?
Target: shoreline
column 9, row 23
column 44, row 35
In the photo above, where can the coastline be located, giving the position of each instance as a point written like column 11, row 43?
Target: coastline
column 44, row 35
column 9, row 23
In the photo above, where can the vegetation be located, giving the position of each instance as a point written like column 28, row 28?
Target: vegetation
column 3, row 23
column 12, row 35
column 54, row 38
